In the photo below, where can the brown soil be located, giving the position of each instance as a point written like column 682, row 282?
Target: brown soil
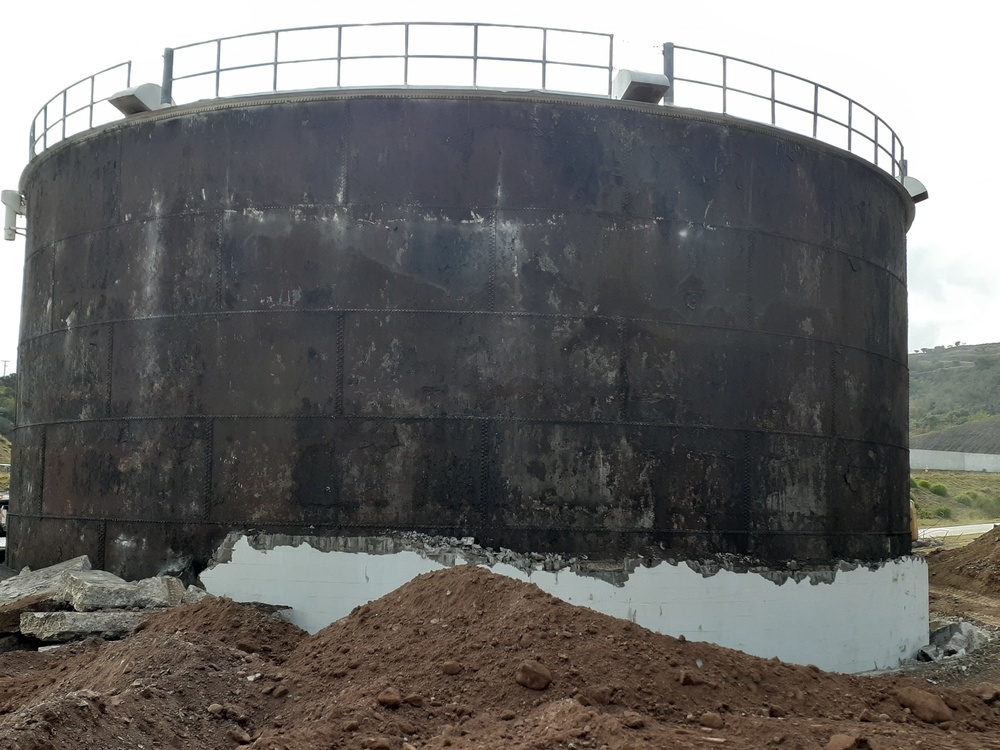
column 435, row 665
column 974, row 567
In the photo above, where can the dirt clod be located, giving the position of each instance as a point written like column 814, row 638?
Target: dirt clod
column 632, row 720
column 924, row 705
column 533, row 675
column 390, row 698
column 842, row 742
column 711, row 720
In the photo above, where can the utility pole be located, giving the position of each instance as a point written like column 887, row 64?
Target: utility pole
column 5, row 361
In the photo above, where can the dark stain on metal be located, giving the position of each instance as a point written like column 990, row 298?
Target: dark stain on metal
column 554, row 324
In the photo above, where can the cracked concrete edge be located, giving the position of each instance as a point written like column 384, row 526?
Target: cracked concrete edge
column 449, row 551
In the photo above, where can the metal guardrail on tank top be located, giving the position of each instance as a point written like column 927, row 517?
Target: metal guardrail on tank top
column 470, row 55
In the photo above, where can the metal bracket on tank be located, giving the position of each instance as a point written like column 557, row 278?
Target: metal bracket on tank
column 15, row 205
column 912, row 185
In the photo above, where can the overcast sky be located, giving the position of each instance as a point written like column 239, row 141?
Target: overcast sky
column 920, row 66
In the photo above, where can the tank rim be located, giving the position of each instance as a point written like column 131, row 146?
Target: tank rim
column 527, row 96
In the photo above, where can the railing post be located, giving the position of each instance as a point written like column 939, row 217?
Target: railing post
column 167, row 84
column 406, row 54
column 815, row 109
column 218, row 65
column 668, row 70
column 725, row 85
column 611, row 64
column 274, row 78
column 475, row 56
column 774, row 108
column 545, row 62
column 850, row 125
column 340, row 52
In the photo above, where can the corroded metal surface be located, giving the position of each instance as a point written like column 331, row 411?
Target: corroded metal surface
column 552, row 324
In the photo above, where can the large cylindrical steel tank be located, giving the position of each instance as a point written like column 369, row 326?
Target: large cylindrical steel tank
column 553, row 323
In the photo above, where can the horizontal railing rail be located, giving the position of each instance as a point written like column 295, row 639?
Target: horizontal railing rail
column 58, row 118
column 407, row 54
column 789, row 101
column 493, row 56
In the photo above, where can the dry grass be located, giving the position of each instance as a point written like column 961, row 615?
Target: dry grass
column 970, row 497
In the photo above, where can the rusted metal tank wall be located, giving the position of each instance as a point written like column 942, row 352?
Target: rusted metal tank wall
column 554, row 324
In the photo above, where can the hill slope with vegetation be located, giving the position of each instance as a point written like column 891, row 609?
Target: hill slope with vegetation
column 952, row 387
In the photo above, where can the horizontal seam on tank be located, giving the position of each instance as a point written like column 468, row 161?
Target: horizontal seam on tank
column 278, row 524
column 132, row 222
column 264, row 100
column 487, row 209
column 806, row 243
column 569, row 421
column 481, row 313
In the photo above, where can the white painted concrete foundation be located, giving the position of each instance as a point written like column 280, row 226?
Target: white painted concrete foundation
column 845, row 618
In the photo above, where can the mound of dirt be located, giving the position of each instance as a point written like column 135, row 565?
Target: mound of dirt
column 974, row 567
column 259, row 630
column 459, row 658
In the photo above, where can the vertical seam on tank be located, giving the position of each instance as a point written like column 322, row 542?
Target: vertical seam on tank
column 492, row 267
column 833, row 214
column 102, row 544
column 41, row 472
column 751, row 248
column 833, row 391
column 338, row 404
column 346, row 139
column 52, row 290
column 218, row 261
column 110, row 369
column 623, row 381
column 745, row 514
column 121, row 171
column 485, row 513
column 206, row 509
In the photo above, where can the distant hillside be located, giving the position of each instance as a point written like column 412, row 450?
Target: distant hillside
column 4, row 459
column 953, row 386
column 978, row 436
column 8, row 385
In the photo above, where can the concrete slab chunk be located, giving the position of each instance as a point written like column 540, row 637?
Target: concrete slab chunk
column 89, row 590
column 161, row 591
column 58, row 627
column 193, row 595
column 34, row 582
column 10, row 613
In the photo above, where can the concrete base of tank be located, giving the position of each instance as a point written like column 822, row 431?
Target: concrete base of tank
column 842, row 617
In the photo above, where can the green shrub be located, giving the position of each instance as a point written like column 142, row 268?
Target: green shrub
column 913, row 482
column 964, row 499
column 939, row 489
column 923, row 483
column 942, row 511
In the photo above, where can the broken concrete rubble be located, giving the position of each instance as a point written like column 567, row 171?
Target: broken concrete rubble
column 35, row 582
column 70, row 600
column 58, row 627
column 10, row 613
column 952, row 640
column 91, row 590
